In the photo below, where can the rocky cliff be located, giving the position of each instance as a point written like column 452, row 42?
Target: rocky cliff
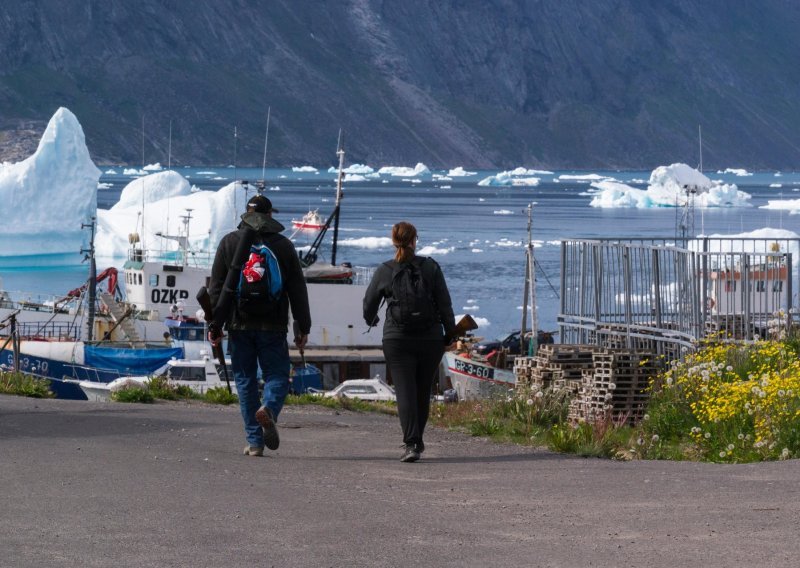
column 492, row 83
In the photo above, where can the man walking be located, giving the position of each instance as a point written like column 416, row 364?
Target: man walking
column 269, row 281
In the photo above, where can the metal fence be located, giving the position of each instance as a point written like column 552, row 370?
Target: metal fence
column 663, row 298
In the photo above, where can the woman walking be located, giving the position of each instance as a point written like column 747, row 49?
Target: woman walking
column 419, row 316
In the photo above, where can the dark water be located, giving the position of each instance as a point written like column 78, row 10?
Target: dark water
column 477, row 233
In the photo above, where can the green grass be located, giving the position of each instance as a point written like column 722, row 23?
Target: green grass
column 21, row 384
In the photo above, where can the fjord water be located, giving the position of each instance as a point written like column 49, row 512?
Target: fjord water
column 476, row 233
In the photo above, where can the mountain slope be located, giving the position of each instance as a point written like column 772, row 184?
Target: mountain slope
column 607, row 83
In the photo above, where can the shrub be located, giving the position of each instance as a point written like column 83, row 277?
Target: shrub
column 220, row 395
column 727, row 402
column 133, row 394
column 21, row 384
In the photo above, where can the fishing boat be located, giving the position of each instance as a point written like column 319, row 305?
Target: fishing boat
column 160, row 289
column 473, row 378
column 310, row 221
column 474, row 375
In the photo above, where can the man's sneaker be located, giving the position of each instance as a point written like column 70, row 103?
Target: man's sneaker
column 411, row 454
column 253, row 451
column 270, row 431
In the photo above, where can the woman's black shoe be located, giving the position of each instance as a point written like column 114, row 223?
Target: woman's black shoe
column 410, row 455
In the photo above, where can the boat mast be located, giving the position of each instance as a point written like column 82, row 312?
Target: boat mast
column 529, row 293
column 340, row 153
column 262, row 185
column 92, row 284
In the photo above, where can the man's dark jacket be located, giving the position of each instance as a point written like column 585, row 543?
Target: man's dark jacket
column 294, row 284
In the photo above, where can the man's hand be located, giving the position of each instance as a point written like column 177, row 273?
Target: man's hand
column 301, row 340
column 215, row 335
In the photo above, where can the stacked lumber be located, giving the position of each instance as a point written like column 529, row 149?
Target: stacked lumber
column 554, row 365
column 616, row 387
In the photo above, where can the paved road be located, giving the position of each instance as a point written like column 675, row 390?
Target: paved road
column 104, row 484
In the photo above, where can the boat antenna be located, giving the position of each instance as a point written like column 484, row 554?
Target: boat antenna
column 169, row 147
column 143, row 186
column 340, row 153
column 529, row 293
column 235, row 141
column 700, row 139
column 264, row 162
column 169, row 164
column 92, row 284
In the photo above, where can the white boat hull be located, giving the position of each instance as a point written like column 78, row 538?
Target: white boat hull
column 476, row 380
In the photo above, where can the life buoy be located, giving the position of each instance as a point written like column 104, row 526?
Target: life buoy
column 710, row 303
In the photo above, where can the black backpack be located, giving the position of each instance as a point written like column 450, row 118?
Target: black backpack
column 260, row 283
column 411, row 306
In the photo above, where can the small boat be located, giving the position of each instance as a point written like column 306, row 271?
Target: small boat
column 311, row 221
column 485, row 369
column 473, row 378
column 197, row 374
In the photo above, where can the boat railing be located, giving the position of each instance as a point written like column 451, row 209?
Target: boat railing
column 49, row 331
column 200, row 259
column 46, row 303
column 362, row 275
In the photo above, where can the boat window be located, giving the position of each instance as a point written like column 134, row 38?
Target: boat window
column 777, row 286
column 140, row 278
column 187, row 373
column 171, row 280
column 154, row 280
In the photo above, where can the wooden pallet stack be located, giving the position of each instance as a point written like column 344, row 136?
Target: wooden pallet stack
column 616, row 387
column 555, row 365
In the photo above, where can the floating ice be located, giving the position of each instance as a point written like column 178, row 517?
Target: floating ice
column 105, row 185
column 735, row 171
column 133, row 172
column 399, row 171
column 61, row 180
column 776, row 185
column 460, row 172
column 354, row 177
column 353, row 169
column 431, row 250
column 792, row 205
column 111, row 172
column 583, row 177
column 367, row 242
column 309, row 169
column 206, row 173
column 153, row 167
column 510, row 178
column 477, row 250
column 503, row 212
column 668, row 187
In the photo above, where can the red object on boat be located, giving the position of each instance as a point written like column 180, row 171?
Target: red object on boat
column 310, row 220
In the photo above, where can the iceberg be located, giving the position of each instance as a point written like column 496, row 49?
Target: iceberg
column 399, row 171
column 460, row 172
column 61, row 179
column 791, row 205
column 509, row 178
column 305, row 169
column 667, row 187
column 153, row 167
column 158, row 203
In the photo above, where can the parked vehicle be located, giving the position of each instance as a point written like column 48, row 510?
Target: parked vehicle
column 374, row 389
column 510, row 342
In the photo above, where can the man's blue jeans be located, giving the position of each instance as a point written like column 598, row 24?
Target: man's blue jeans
column 251, row 349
